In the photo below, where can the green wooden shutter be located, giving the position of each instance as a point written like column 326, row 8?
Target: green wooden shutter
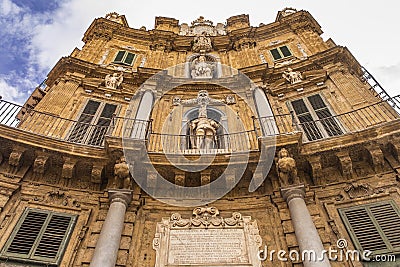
column 39, row 236
column 275, row 54
column 119, row 57
column 285, row 51
column 373, row 227
column 129, row 58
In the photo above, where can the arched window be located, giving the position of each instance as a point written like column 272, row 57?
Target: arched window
column 266, row 117
column 140, row 124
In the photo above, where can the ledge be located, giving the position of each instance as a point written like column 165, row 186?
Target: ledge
column 38, row 141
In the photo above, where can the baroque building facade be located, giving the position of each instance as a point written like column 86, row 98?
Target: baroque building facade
column 200, row 145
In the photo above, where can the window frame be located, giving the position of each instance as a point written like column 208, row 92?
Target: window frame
column 123, row 59
column 30, row 257
column 86, row 137
column 315, row 119
column 278, row 48
column 349, row 228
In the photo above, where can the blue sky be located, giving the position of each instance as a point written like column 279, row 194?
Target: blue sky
column 35, row 34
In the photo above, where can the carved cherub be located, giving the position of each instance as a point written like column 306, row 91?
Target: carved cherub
column 286, row 168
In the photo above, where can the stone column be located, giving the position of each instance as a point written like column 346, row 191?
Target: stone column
column 306, row 234
column 106, row 252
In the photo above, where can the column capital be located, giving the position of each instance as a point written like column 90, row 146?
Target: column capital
column 120, row 195
column 293, row 191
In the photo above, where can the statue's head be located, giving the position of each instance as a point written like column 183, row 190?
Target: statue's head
column 283, row 153
column 202, row 94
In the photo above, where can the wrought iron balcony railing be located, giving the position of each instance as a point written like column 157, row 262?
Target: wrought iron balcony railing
column 93, row 134
column 324, row 127
column 50, row 125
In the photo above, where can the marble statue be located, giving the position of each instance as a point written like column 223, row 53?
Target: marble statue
column 292, row 76
column 200, row 68
column 113, row 81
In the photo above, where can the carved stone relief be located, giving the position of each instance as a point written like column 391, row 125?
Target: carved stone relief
column 113, row 81
column 292, row 76
column 207, row 239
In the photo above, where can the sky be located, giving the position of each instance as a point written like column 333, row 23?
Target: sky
column 35, row 34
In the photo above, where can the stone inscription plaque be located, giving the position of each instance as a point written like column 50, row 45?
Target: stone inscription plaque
column 207, row 246
column 207, row 239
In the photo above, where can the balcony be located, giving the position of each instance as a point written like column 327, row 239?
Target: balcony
column 94, row 135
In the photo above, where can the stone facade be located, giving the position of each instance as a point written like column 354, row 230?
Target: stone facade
column 46, row 164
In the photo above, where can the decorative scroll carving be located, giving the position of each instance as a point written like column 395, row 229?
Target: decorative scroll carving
column 15, row 160
column 97, row 170
column 292, row 76
column 356, row 190
column 207, row 239
column 40, row 165
column 68, row 170
column 114, row 81
column 377, row 158
column 244, row 43
column 286, row 168
column 346, row 164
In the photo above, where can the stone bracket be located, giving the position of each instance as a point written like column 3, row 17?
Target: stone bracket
column 316, row 166
column 97, row 169
column 346, row 164
column 69, row 167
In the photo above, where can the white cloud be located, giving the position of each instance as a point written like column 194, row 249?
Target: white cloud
column 9, row 92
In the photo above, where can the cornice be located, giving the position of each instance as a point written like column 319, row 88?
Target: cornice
column 168, row 40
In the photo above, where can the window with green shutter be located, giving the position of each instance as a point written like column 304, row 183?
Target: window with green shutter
column 374, row 227
column 124, row 57
column 39, row 237
column 280, row 52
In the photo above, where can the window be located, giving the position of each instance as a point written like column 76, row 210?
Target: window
column 93, row 123
column 40, row 237
column 124, row 57
column 280, row 52
column 315, row 118
column 374, row 227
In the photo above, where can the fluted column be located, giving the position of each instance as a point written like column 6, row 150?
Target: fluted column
column 306, row 234
column 105, row 254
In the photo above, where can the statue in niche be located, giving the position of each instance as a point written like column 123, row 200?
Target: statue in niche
column 203, row 130
column 122, row 178
column 286, row 168
column 201, row 68
column 202, row 43
column 292, row 76
column 113, row 81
